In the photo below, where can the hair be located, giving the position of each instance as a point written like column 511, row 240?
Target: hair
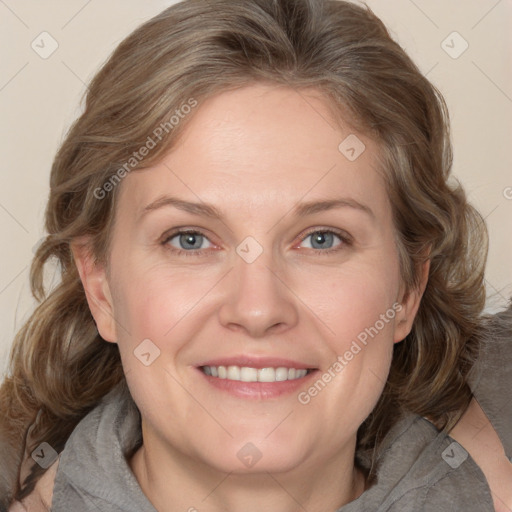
column 60, row 367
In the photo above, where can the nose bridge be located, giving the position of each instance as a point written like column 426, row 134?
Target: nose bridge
column 256, row 300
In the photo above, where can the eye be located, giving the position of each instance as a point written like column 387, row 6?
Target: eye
column 190, row 242
column 322, row 240
column 187, row 242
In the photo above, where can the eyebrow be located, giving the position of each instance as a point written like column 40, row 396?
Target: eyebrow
column 300, row 210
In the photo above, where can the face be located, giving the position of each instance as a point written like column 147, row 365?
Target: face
column 269, row 325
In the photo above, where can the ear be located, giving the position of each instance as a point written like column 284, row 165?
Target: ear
column 94, row 280
column 410, row 302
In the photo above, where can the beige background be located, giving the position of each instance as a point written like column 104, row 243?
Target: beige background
column 39, row 98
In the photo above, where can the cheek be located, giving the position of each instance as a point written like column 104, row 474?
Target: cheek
column 363, row 315
column 157, row 306
column 353, row 299
column 151, row 302
column 358, row 309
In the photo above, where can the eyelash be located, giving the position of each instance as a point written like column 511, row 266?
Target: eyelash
column 344, row 237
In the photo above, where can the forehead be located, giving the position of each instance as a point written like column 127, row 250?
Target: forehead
column 256, row 145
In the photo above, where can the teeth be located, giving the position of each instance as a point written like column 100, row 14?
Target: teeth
column 248, row 374
column 266, row 375
column 233, row 372
column 281, row 374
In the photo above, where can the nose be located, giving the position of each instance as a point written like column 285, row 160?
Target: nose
column 257, row 299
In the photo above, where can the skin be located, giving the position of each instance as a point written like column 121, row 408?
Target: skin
column 254, row 154
column 476, row 434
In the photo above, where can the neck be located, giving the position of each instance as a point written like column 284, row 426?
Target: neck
column 175, row 482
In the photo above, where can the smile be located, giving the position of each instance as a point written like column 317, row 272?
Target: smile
column 249, row 374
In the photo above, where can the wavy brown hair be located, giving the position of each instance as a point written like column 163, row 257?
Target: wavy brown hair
column 60, row 367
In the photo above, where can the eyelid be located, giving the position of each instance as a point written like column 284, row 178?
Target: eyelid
column 342, row 234
column 346, row 239
column 168, row 235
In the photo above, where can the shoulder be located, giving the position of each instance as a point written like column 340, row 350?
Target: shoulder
column 476, row 434
column 485, row 429
column 40, row 499
column 491, row 378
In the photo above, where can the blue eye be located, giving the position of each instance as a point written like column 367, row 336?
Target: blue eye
column 190, row 242
column 323, row 240
column 187, row 241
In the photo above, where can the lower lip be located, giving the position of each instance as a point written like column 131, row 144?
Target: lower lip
column 258, row 390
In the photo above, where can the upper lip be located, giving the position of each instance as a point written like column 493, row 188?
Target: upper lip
column 257, row 362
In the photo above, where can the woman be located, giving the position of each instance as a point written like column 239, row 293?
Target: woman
column 271, row 296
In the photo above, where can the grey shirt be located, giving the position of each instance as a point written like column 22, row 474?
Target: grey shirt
column 418, row 468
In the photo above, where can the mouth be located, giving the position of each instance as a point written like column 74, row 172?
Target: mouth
column 255, row 377
column 250, row 374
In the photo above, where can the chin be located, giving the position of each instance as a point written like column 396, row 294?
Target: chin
column 254, row 458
